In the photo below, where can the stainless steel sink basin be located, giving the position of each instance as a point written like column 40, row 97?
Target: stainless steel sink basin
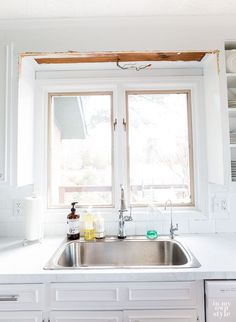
column 132, row 252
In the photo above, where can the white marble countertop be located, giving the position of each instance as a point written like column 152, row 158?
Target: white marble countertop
column 19, row 263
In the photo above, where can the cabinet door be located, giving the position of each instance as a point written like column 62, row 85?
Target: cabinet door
column 160, row 316
column 214, row 123
column 23, row 316
column 85, row 296
column 3, row 88
column 85, row 316
column 162, row 295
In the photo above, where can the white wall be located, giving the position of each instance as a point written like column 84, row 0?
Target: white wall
column 105, row 34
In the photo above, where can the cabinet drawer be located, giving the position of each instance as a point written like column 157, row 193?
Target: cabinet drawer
column 84, row 295
column 157, row 295
column 85, row 316
column 21, row 296
column 161, row 295
column 161, row 316
column 23, row 316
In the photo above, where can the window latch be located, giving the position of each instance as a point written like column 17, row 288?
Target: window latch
column 114, row 124
column 124, row 124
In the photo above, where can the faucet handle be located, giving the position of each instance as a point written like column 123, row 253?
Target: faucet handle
column 176, row 228
column 173, row 229
column 129, row 217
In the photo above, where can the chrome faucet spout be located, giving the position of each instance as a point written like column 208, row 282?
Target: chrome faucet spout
column 122, row 218
column 172, row 228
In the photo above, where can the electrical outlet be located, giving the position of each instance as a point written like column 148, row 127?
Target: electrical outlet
column 18, row 207
column 220, row 206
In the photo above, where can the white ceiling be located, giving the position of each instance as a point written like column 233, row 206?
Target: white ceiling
column 97, row 8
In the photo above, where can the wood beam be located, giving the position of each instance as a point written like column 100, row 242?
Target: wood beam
column 104, row 57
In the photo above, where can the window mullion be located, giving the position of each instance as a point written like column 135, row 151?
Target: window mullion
column 120, row 148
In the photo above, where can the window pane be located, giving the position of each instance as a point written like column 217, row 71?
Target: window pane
column 81, row 150
column 159, row 148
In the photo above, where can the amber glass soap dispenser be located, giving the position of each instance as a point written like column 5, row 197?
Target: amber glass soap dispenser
column 73, row 224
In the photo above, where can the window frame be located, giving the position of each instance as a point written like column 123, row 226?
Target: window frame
column 190, row 141
column 49, row 144
column 98, row 81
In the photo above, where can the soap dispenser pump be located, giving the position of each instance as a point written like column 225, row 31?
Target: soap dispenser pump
column 73, row 223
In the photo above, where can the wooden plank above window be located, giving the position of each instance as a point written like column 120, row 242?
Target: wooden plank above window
column 104, row 57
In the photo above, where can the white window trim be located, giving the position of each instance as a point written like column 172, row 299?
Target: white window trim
column 192, row 83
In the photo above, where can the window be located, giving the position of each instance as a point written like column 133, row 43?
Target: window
column 160, row 153
column 156, row 133
column 80, row 141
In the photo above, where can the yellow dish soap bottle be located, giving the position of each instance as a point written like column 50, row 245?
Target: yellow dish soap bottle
column 89, row 229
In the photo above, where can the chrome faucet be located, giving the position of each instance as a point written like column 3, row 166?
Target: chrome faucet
column 122, row 218
column 172, row 228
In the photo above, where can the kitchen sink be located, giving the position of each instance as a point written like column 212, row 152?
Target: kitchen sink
column 132, row 252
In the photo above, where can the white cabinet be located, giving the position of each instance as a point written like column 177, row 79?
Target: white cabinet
column 160, row 295
column 230, row 57
column 23, row 316
column 102, row 302
column 21, row 302
column 127, row 302
column 214, row 130
column 21, row 297
column 15, row 118
column 82, row 296
column 86, row 316
column 3, row 118
column 25, row 124
column 7, row 116
column 161, row 316
column 126, row 316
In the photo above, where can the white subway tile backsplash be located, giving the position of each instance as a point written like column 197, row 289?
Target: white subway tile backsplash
column 130, row 228
column 140, row 228
column 201, row 226
column 7, row 216
column 111, row 228
column 55, row 229
column 3, row 204
column 183, row 226
column 55, row 222
column 9, row 229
